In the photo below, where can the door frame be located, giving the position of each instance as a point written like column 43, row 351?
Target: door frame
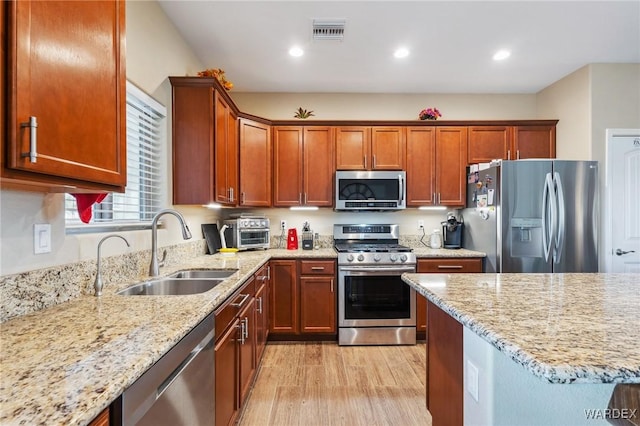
column 608, row 207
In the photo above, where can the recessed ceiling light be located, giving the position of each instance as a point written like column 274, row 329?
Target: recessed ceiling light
column 501, row 54
column 296, row 51
column 402, row 52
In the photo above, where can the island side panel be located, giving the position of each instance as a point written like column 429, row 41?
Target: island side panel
column 444, row 368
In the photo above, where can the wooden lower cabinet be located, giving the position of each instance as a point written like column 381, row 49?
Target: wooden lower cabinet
column 303, row 298
column 318, row 296
column 440, row 266
column 263, row 277
column 444, row 368
column 101, row 419
column 235, row 358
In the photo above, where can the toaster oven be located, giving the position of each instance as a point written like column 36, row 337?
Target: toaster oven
column 247, row 232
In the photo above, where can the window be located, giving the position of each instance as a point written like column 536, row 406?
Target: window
column 146, row 134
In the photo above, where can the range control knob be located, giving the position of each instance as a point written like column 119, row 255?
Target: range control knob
column 360, row 257
column 349, row 258
column 403, row 258
column 376, row 257
column 393, row 257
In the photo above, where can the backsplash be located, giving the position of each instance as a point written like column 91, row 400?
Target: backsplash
column 28, row 292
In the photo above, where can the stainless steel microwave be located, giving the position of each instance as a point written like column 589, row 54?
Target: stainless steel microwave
column 371, row 190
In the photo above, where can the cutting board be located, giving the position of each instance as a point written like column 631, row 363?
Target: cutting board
column 212, row 236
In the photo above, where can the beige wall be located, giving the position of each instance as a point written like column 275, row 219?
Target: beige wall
column 384, row 106
column 155, row 50
column 569, row 100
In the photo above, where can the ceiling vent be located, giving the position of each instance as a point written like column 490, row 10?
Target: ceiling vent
column 328, row 29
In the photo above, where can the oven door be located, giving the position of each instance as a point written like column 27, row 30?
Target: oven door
column 252, row 238
column 375, row 296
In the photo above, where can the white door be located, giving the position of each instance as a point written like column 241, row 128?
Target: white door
column 622, row 227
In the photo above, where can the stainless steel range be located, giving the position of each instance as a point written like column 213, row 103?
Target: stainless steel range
column 375, row 307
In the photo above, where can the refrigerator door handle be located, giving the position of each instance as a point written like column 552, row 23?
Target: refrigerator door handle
column 560, row 232
column 547, row 213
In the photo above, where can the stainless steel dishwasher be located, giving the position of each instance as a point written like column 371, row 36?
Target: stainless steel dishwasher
column 176, row 390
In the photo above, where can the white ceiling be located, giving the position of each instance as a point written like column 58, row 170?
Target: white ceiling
column 451, row 43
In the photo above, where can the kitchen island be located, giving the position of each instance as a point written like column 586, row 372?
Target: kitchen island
column 533, row 348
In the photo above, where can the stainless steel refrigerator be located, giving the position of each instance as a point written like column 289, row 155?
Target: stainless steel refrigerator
column 534, row 216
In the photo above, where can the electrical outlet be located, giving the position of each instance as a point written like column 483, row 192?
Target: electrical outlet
column 472, row 380
column 283, row 224
column 420, row 224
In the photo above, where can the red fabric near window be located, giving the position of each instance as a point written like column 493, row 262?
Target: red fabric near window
column 85, row 203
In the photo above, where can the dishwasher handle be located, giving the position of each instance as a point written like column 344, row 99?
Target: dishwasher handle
column 208, row 339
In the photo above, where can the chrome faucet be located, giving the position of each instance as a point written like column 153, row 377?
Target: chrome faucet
column 154, row 267
column 97, row 285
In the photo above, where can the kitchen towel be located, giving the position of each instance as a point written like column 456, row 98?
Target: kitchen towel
column 85, row 203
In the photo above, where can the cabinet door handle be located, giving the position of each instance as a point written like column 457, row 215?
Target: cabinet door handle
column 508, row 154
column 517, row 154
column 242, row 198
column 269, row 272
column 32, row 124
column 240, row 303
column 300, row 198
column 231, row 194
column 449, row 266
column 374, row 162
column 317, row 268
column 241, row 327
column 331, row 285
column 433, row 198
column 305, row 198
column 365, row 161
column 245, row 328
column 260, row 304
column 439, row 200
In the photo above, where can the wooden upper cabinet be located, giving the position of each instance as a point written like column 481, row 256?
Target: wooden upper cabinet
column 303, row 166
column 226, row 152
column 353, row 145
column 488, row 143
column 287, row 166
column 77, row 99
column 534, row 142
column 421, row 158
column 255, row 164
column 318, row 166
column 370, row 148
column 387, row 148
column 451, row 164
column 193, row 145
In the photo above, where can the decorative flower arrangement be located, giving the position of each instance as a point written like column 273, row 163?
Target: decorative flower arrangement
column 303, row 113
column 429, row 114
column 218, row 73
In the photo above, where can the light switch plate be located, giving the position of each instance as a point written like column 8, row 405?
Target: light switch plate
column 41, row 238
column 472, row 380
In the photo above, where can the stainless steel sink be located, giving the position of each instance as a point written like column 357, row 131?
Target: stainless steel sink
column 171, row 287
column 204, row 273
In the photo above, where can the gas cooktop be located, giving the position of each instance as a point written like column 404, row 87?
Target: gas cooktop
column 353, row 247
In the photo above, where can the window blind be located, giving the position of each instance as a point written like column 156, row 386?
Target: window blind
column 146, row 134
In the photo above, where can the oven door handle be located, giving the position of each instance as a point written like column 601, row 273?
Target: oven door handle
column 376, row 269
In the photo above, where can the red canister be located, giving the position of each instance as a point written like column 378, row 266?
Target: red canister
column 292, row 239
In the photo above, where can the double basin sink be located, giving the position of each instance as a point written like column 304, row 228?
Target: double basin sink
column 180, row 283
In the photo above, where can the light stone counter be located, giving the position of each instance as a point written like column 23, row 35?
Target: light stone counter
column 564, row 328
column 63, row 365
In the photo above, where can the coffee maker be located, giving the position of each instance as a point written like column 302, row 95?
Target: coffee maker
column 452, row 230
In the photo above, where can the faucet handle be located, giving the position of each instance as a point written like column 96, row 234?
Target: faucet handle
column 164, row 257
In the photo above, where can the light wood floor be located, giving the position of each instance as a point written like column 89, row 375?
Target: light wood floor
column 321, row 383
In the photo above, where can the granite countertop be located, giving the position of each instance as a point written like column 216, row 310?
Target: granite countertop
column 65, row 364
column 565, row 328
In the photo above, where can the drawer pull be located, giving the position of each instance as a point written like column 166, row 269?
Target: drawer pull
column 449, row 266
column 244, row 299
column 317, row 268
